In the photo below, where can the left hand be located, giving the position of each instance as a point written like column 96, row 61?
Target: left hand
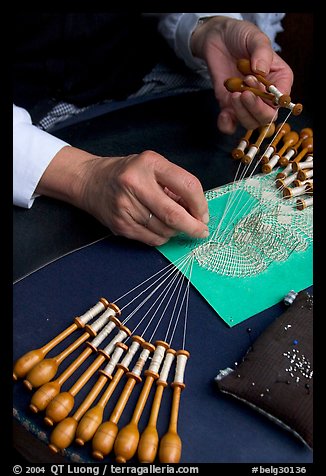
column 221, row 41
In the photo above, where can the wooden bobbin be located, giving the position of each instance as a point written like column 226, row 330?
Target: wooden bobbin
column 264, row 132
column 305, row 174
column 63, row 403
column 280, row 131
column 298, row 183
column 45, row 393
column 296, row 191
column 234, row 85
column 281, row 183
column 26, row 362
column 149, row 439
column 125, row 445
column 45, row 370
column 302, row 204
column 289, row 139
column 283, row 100
column 93, row 418
column 306, row 164
column 104, row 438
column 238, row 152
column 285, row 172
column 170, row 444
column 307, row 148
column 64, row 433
column 305, row 141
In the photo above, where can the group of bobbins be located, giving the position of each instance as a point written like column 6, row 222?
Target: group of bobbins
column 294, row 156
column 269, row 91
column 86, row 423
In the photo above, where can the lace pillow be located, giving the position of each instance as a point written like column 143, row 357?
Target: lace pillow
column 276, row 375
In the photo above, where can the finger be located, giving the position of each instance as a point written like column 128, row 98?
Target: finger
column 188, row 188
column 136, row 231
column 247, row 118
column 256, row 108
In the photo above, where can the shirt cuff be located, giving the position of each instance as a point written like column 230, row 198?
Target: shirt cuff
column 187, row 22
column 33, row 150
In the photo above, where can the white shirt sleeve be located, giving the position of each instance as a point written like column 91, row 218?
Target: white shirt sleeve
column 177, row 29
column 269, row 23
column 33, row 150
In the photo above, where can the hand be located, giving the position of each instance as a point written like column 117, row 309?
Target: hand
column 221, row 41
column 140, row 196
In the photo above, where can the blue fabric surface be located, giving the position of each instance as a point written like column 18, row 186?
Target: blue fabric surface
column 213, row 427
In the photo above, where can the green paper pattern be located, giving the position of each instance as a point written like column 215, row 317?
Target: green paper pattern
column 236, row 298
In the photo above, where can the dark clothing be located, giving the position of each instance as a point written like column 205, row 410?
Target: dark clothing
column 82, row 58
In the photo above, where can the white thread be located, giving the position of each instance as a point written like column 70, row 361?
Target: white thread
column 118, row 338
column 103, row 334
column 290, row 179
column 242, row 145
column 92, row 312
column 273, row 161
column 296, row 191
column 141, row 362
column 273, row 89
column 100, row 322
column 130, row 354
column 252, row 152
column 268, row 152
column 289, row 154
column 157, row 359
column 309, row 174
column 180, row 368
column 287, row 170
column 169, row 357
column 118, row 351
column 308, row 202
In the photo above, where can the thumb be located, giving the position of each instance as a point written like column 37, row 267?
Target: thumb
column 261, row 53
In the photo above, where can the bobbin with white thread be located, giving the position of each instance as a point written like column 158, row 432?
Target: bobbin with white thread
column 48, row 391
column 305, row 174
column 238, row 152
column 27, row 361
column 125, row 445
column 288, row 140
column 285, row 172
column 280, row 131
column 296, row 191
column 105, row 436
column 100, row 306
column 265, row 131
column 305, row 133
column 149, row 439
column 306, row 164
column 304, row 203
column 171, row 444
column 298, row 183
column 61, row 405
column 281, row 183
column 63, row 434
column 93, row 418
column 280, row 98
column 46, row 369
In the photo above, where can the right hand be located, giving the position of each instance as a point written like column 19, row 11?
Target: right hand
column 123, row 192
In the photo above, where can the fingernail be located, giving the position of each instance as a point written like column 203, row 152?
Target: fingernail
column 261, row 67
column 206, row 218
column 204, row 234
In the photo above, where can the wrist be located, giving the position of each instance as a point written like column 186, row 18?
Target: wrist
column 66, row 176
column 205, row 28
